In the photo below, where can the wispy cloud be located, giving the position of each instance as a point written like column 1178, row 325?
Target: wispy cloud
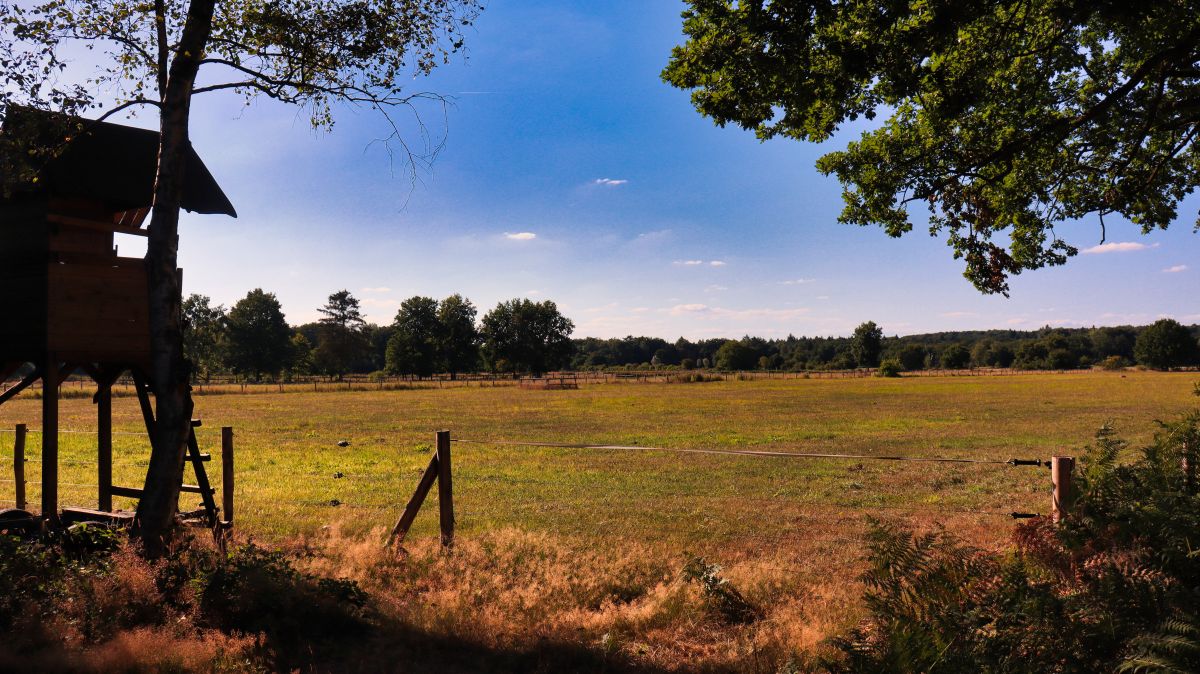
column 714, row 288
column 689, row 263
column 797, row 282
column 681, row 309
column 1176, row 269
column 520, row 236
column 380, row 289
column 717, row 263
column 610, row 182
column 532, row 293
column 380, row 303
column 1118, row 247
column 958, row 314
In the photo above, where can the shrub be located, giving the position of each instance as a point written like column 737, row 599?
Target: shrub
column 1114, row 587
column 1114, row 363
column 890, row 368
column 259, row 591
column 721, row 597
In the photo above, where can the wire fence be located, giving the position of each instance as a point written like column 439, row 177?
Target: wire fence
column 335, row 498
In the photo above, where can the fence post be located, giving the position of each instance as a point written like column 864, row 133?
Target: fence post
column 445, row 488
column 1060, row 475
column 19, row 465
column 227, row 474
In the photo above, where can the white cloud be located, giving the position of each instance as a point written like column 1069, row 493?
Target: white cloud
column 1117, row 247
column 610, row 182
column 1176, row 269
column 958, row 314
column 520, row 236
column 681, row 309
column 532, row 293
column 717, row 263
column 380, row 304
column 797, row 282
column 689, row 263
column 380, row 289
column 715, row 288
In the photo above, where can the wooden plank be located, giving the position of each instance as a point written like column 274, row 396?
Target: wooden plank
column 96, row 224
column 197, row 489
column 445, row 489
column 414, row 502
column 20, row 386
column 73, row 515
column 128, row 492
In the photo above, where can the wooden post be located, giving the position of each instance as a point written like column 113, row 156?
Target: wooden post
column 50, row 439
column 19, row 465
column 104, row 446
column 445, row 488
column 1060, row 475
column 227, row 474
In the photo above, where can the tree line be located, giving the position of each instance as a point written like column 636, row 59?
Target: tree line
column 1163, row 345
column 253, row 339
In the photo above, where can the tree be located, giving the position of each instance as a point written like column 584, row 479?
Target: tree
column 734, row 355
column 866, row 344
column 203, row 334
column 414, row 347
column 259, row 338
column 301, row 357
column 342, row 341
column 1165, row 345
column 955, row 357
column 459, row 343
column 1004, row 118
column 912, row 357
column 525, row 336
column 309, row 53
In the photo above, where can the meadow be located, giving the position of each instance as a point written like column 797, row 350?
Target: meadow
column 584, row 547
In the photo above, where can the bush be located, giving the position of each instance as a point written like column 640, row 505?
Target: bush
column 1114, row 363
column 259, row 591
column 890, row 368
column 1113, row 588
column 721, row 598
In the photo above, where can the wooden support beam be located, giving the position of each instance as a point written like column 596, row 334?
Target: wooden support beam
column 414, row 503
column 19, row 465
column 96, row 224
column 20, row 386
column 227, row 475
column 50, row 380
column 104, row 440
column 7, row 370
column 445, row 490
column 202, row 486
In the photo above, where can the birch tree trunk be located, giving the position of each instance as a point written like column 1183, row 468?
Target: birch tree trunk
column 168, row 370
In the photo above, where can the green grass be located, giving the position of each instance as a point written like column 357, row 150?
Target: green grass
column 287, row 454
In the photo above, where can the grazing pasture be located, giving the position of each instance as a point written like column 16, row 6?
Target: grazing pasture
column 580, row 545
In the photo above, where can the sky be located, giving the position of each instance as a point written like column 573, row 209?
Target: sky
column 571, row 172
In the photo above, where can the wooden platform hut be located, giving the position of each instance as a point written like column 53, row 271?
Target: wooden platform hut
column 68, row 301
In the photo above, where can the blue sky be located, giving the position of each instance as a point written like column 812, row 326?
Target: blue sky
column 571, row 172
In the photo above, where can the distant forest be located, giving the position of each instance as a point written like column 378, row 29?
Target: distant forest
column 428, row 336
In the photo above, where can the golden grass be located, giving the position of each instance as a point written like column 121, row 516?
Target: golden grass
column 585, row 547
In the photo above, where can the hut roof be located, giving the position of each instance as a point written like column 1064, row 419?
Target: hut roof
column 106, row 161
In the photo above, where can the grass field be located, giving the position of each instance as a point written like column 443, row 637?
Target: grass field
column 785, row 529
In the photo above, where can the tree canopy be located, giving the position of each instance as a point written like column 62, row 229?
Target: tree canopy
column 1002, row 118
column 525, row 336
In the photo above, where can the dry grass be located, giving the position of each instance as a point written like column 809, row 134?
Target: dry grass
column 574, row 556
